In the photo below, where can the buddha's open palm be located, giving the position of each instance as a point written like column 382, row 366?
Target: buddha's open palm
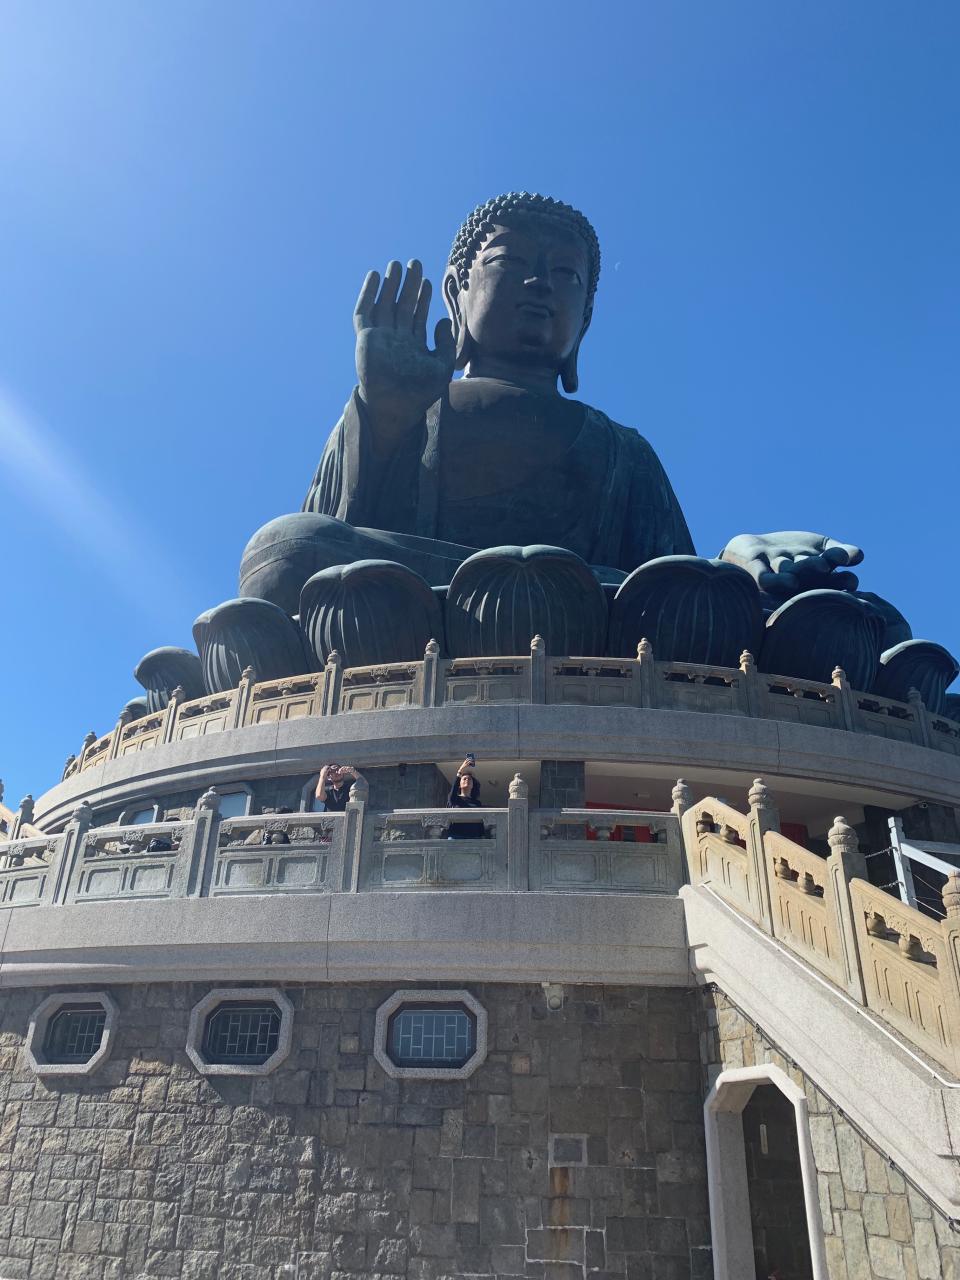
column 400, row 377
column 792, row 561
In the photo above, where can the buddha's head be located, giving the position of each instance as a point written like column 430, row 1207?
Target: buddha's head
column 520, row 283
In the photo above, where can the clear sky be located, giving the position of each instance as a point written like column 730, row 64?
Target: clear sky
column 191, row 193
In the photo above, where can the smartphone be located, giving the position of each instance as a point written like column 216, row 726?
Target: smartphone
column 471, row 758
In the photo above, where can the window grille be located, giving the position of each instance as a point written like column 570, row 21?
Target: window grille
column 74, row 1033
column 242, row 1033
column 431, row 1036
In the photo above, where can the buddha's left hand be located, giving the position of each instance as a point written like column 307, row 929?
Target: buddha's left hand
column 786, row 563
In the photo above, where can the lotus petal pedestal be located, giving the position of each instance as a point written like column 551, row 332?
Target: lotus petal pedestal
column 248, row 633
column 921, row 665
column 162, row 670
column 818, row 631
column 690, row 609
column 500, row 598
column 370, row 612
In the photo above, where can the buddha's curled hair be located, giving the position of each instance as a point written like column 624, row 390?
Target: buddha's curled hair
column 484, row 218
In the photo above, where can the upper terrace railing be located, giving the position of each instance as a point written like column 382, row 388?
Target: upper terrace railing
column 887, row 956
column 560, row 850
column 533, row 678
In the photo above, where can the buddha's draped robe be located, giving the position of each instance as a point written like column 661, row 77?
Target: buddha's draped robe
column 605, row 496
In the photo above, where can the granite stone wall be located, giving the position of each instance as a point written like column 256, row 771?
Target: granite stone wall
column 876, row 1225
column 575, row 1150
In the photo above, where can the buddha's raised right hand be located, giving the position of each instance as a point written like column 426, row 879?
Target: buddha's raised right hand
column 400, row 377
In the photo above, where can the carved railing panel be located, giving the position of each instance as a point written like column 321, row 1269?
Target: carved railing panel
column 888, row 719
column 906, row 970
column 411, row 849
column 468, row 681
column 379, row 688
column 97, row 752
column 210, row 714
column 804, row 912
column 593, row 682
column 604, row 854
column 25, row 870
column 685, row 686
column 118, row 863
column 805, row 701
column 142, row 734
column 279, row 853
column 289, row 699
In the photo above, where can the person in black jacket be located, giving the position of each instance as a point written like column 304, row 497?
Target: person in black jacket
column 333, row 786
column 465, row 794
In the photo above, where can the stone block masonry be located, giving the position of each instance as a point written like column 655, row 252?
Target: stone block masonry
column 328, row 1168
column 876, row 1226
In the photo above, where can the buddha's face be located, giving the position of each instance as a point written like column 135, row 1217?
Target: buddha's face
column 526, row 294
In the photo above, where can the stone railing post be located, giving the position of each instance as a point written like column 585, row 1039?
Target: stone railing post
column 430, row 695
column 68, row 764
column 88, row 742
column 170, row 713
column 763, row 818
column 332, row 680
column 117, row 738
column 646, row 675
column 848, row 703
column 682, row 800
column 195, row 865
column 24, row 816
column 951, row 981
column 845, row 863
column 749, row 685
column 518, row 834
column 353, row 825
column 241, row 701
column 538, row 670
column 919, row 709
column 72, row 841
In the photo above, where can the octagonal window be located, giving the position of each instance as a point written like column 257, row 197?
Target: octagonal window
column 240, row 1031
column 70, row 1033
column 431, row 1035
column 424, row 1035
column 74, row 1033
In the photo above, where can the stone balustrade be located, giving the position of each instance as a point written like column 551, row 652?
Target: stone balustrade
column 896, row 961
column 536, row 678
column 560, row 850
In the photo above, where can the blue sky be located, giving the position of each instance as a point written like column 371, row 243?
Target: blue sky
column 191, row 193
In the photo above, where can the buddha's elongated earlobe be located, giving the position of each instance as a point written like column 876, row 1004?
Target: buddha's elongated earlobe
column 569, row 376
column 466, row 348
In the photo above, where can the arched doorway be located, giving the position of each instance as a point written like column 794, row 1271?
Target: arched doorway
column 764, row 1207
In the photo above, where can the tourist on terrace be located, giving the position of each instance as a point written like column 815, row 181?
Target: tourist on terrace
column 333, row 786
column 465, row 794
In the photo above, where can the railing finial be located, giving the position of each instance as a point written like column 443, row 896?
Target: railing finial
column 644, row 648
column 518, row 788
column 841, row 837
column 433, row 649
column 681, row 796
column 537, row 644
column 759, row 796
column 951, row 896
column 209, row 800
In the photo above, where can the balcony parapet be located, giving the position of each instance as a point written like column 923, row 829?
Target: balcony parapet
column 555, row 850
column 530, row 678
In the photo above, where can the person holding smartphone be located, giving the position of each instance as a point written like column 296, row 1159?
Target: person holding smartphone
column 333, row 786
column 465, row 794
